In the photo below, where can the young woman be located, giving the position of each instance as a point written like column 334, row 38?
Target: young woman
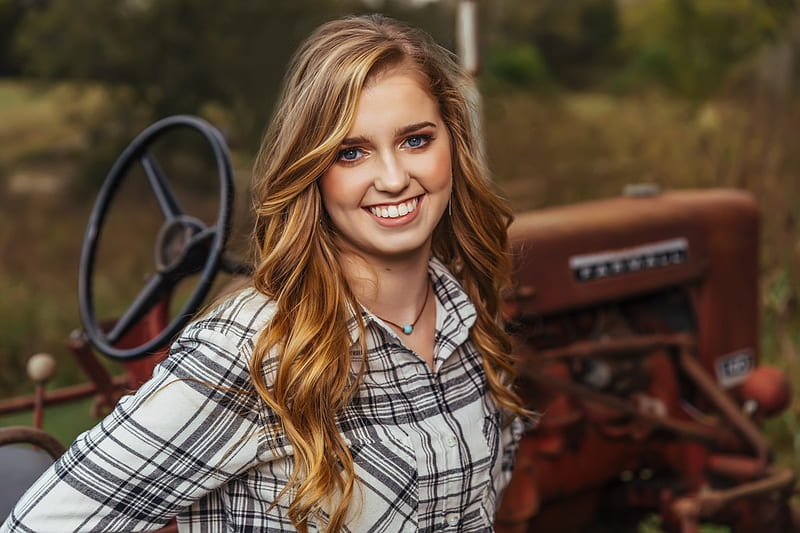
column 363, row 382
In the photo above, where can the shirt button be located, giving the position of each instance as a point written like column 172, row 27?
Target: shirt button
column 452, row 519
column 451, row 441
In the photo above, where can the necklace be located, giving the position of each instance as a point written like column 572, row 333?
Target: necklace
column 408, row 329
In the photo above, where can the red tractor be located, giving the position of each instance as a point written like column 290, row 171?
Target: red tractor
column 635, row 322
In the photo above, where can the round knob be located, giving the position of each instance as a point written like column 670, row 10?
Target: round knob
column 769, row 388
column 41, row 367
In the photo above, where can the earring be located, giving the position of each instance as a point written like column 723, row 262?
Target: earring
column 450, row 199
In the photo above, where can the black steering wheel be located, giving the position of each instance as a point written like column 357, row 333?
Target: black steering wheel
column 184, row 246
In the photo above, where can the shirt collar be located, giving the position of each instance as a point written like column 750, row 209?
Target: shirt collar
column 455, row 313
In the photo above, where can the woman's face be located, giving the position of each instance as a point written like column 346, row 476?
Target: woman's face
column 392, row 177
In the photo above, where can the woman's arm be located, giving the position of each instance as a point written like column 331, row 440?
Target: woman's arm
column 183, row 434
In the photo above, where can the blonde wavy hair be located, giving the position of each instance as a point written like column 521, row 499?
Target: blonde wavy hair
column 295, row 254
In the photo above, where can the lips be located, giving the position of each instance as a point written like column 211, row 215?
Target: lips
column 394, row 210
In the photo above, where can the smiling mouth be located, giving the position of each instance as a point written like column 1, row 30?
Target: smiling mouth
column 394, row 210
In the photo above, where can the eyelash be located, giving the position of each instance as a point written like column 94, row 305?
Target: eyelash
column 423, row 137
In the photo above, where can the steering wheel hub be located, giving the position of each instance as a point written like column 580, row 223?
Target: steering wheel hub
column 174, row 242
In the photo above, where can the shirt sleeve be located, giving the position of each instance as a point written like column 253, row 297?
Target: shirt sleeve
column 187, row 431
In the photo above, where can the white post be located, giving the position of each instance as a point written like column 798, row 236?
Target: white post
column 467, row 49
column 467, row 35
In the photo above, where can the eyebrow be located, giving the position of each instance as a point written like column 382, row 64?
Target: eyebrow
column 399, row 132
column 413, row 127
column 352, row 141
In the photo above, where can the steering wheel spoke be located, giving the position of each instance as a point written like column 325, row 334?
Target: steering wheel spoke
column 156, row 286
column 167, row 200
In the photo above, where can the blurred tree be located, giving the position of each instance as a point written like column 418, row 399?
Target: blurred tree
column 161, row 57
column 691, row 47
column 11, row 12
column 577, row 40
column 174, row 56
column 437, row 18
column 520, row 66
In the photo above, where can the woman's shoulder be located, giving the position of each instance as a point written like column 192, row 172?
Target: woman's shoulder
column 240, row 315
column 217, row 346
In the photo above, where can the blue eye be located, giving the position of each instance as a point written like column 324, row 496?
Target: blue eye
column 416, row 141
column 349, row 154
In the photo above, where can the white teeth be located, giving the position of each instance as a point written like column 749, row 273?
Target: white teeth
column 394, row 211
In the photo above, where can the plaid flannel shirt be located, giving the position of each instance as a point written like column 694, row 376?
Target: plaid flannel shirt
column 198, row 443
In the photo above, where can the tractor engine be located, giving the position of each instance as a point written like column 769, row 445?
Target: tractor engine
column 635, row 325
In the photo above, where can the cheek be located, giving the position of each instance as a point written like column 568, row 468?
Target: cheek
column 342, row 189
column 439, row 168
column 335, row 189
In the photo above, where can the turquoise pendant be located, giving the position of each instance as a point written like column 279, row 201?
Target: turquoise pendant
column 407, row 329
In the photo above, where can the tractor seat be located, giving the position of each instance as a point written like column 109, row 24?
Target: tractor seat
column 20, row 466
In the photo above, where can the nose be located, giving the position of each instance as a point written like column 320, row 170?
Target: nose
column 392, row 176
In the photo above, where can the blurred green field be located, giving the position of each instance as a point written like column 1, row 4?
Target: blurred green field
column 65, row 422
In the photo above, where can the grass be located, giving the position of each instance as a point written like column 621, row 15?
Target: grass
column 39, row 124
column 65, row 422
